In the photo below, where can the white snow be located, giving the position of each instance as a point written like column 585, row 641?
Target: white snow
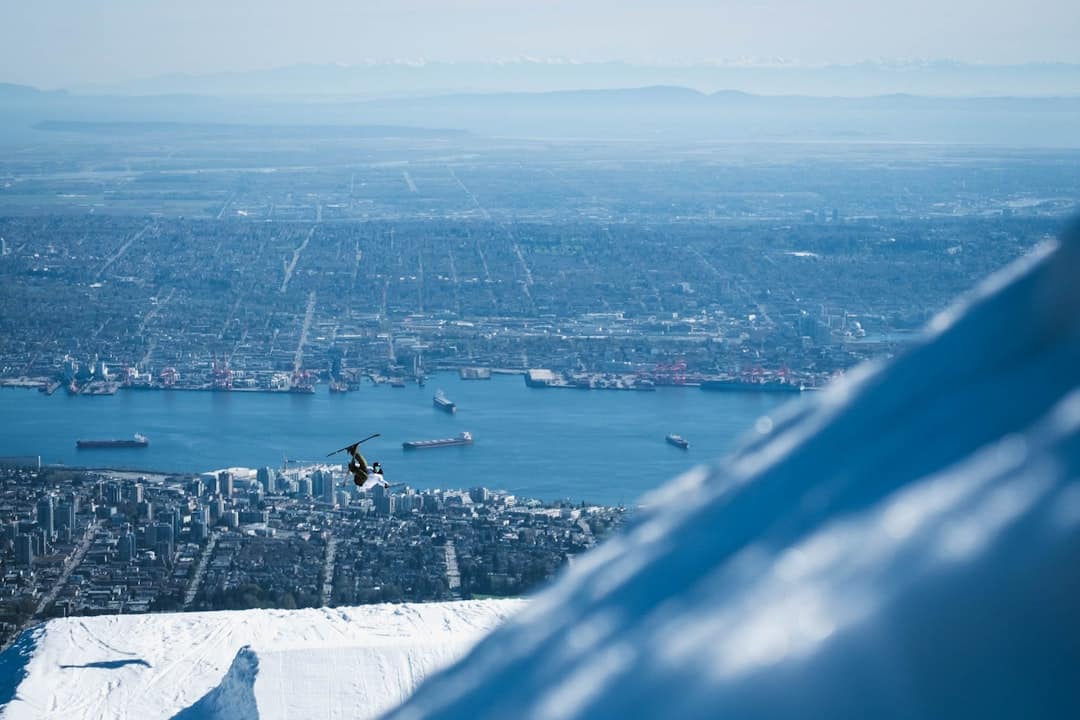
column 904, row 544
column 268, row 664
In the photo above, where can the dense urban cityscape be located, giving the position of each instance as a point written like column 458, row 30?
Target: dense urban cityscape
column 168, row 267
column 91, row 543
column 237, row 262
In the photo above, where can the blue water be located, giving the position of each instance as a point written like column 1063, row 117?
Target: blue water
column 596, row 446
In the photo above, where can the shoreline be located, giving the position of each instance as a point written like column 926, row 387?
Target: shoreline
column 49, row 386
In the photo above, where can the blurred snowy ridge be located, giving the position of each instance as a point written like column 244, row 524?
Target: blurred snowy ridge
column 905, row 544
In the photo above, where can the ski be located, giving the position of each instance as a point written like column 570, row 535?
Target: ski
column 372, row 435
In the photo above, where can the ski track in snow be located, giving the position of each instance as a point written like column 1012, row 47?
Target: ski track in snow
column 334, row 663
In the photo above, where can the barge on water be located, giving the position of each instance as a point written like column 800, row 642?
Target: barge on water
column 444, row 403
column 464, row 438
column 678, row 441
column 138, row 441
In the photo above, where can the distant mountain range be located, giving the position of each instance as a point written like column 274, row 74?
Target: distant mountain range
column 10, row 91
column 659, row 112
column 382, row 80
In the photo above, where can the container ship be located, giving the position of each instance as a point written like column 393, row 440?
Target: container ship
column 444, row 403
column 678, row 441
column 139, row 441
column 464, row 438
column 770, row 386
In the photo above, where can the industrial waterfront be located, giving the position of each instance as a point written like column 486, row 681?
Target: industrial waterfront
column 606, row 447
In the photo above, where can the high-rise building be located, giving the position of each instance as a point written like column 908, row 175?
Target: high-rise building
column 382, row 500
column 210, row 480
column 113, row 494
column 149, row 537
column 126, row 547
column 65, row 516
column 24, row 550
column 304, row 487
column 329, row 487
column 42, row 542
column 164, row 540
column 198, row 530
column 137, row 492
column 177, row 520
column 45, row 514
column 410, row 502
column 225, row 483
column 267, row 477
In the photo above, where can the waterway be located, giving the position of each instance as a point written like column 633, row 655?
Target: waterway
column 594, row 446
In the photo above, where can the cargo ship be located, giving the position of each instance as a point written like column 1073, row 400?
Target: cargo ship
column 444, row 403
column 464, row 438
column 770, row 386
column 678, row 441
column 139, row 441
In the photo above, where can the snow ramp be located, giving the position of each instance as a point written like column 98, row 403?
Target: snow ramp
column 329, row 663
column 234, row 697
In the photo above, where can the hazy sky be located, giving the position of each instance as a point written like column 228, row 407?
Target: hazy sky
column 56, row 43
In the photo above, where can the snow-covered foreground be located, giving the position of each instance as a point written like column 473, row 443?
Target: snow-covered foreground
column 268, row 664
column 906, row 544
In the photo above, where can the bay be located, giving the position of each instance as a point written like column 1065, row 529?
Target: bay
column 594, row 446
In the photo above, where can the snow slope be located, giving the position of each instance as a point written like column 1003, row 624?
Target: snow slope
column 905, row 544
column 268, row 664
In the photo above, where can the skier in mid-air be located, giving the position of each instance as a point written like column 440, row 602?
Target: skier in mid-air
column 365, row 476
